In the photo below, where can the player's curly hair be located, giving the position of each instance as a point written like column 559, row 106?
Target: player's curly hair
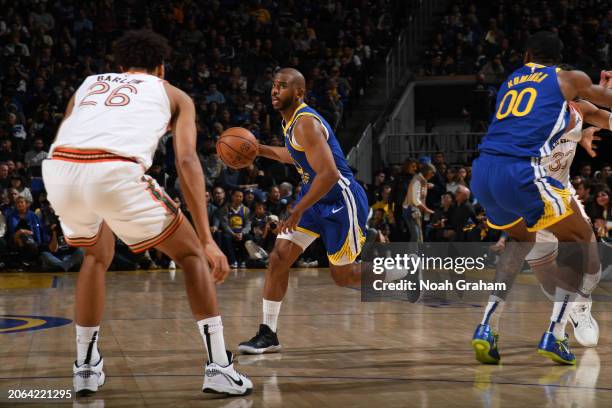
column 141, row 49
column 545, row 46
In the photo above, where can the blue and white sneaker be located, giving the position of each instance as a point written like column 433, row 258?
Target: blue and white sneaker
column 555, row 349
column 484, row 343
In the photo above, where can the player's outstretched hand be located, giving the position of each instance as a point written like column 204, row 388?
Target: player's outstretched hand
column 587, row 140
column 291, row 223
column 217, row 261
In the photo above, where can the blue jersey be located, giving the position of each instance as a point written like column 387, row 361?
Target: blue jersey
column 531, row 114
column 301, row 163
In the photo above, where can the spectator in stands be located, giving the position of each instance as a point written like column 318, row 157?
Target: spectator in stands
column 286, row 191
column 275, row 204
column 6, row 151
column 24, row 232
column 582, row 191
column 463, row 213
column 585, row 171
column 600, row 213
column 494, row 71
column 235, row 224
column 604, row 176
column 375, row 188
column 415, row 202
column 3, row 243
column 5, row 180
column 58, row 255
column 218, row 199
column 386, row 204
column 34, row 158
column 18, row 184
column 452, row 180
column 214, row 95
column 212, row 166
column 440, row 228
column 379, row 226
column 11, row 198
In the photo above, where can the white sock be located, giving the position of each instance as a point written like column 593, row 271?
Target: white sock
column 271, row 309
column 211, row 330
column 589, row 282
column 493, row 312
column 558, row 319
column 87, row 345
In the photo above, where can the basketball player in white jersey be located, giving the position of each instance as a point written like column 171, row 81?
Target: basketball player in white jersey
column 543, row 257
column 96, row 181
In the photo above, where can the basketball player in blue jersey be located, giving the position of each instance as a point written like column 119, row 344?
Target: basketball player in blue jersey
column 331, row 204
column 532, row 112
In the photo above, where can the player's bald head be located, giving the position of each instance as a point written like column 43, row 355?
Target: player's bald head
column 294, row 77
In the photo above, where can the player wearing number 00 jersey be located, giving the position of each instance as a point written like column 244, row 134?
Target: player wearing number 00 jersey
column 96, row 182
column 510, row 180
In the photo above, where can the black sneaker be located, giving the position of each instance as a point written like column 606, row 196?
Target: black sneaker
column 265, row 341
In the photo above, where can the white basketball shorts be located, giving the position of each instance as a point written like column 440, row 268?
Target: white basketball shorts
column 88, row 187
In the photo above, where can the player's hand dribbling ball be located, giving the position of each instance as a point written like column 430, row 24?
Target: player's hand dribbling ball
column 237, row 147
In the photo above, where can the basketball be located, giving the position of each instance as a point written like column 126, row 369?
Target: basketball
column 237, row 147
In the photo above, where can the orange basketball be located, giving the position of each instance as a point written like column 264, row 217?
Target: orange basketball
column 237, row 147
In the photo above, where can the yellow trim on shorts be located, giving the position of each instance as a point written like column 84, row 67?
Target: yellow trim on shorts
column 506, row 226
column 549, row 217
column 346, row 250
column 307, row 231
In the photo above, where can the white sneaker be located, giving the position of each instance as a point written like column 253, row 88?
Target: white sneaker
column 586, row 329
column 226, row 380
column 87, row 378
column 171, row 265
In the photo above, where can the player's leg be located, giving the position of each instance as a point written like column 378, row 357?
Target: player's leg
column 580, row 274
column 544, row 266
column 145, row 217
column 90, row 295
column 486, row 337
column 183, row 246
column 576, row 228
column 82, row 227
column 287, row 250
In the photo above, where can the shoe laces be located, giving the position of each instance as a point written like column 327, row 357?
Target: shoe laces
column 86, row 373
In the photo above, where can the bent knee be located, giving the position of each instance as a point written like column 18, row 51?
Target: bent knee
column 278, row 259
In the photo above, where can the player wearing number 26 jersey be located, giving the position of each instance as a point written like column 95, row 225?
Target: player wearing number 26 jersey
column 509, row 178
column 117, row 119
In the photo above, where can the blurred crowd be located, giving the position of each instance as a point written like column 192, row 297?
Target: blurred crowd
column 489, row 36
column 224, row 55
column 429, row 200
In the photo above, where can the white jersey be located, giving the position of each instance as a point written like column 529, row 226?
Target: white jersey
column 558, row 164
column 125, row 114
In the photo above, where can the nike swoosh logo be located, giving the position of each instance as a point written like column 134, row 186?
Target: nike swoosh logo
column 237, row 382
column 335, row 210
column 574, row 323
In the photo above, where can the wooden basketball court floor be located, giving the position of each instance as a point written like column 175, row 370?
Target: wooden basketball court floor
column 338, row 351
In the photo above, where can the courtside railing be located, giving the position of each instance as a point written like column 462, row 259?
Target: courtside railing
column 407, row 46
column 360, row 156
